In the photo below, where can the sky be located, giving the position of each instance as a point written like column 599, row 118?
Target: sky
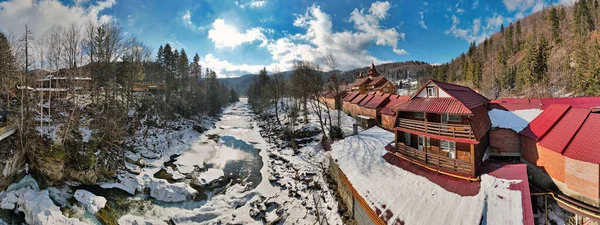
column 239, row 37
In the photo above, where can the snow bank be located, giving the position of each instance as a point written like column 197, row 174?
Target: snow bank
column 210, row 175
column 130, row 219
column 515, row 120
column 91, row 202
column 37, row 206
column 410, row 196
column 164, row 191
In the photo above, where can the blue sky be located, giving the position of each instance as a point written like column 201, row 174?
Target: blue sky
column 238, row 37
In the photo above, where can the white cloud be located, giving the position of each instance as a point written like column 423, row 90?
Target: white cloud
column 252, row 4
column 566, row 2
column 475, row 4
column 379, row 9
column 187, row 21
column 476, row 31
column 224, row 68
column 422, row 21
column 41, row 15
column 349, row 47
column 256, row 4
column 459, row 10
column 523, row 5
column 227, row 36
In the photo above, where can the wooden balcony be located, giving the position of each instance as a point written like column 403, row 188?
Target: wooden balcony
column 440, row 129
column 437, row 161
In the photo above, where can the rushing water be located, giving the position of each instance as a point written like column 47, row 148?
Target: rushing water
column 228, row 149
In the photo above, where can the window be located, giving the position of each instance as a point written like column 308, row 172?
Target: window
column 450, row 147
column 451, row 118
column 419, row 115
column 431, row 92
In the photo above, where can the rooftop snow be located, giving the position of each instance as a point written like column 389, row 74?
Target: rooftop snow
column 515, row 120
column 411, row 197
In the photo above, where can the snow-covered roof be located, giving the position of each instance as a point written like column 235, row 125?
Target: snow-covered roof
column 515, row 120
column 410, row 197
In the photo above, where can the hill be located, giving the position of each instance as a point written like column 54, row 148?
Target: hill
column 551, row 53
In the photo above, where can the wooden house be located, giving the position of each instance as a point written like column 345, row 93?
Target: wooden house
column 372, row 82
column 388, row 117
column 444, row 126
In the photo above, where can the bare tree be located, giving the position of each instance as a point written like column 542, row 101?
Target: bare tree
column 307, row 84
column 334, row 86
column 278, row 86
column 71, row 41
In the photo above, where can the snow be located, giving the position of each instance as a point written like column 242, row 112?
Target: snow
column 210, row 175
column 410, row 196
column 91, row 202
column 86, row 133
column 515, row 120
column 36, row 204
column 131, row 219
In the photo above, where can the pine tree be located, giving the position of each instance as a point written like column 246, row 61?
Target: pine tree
column 518, row 35
column 183, row 70
column 502, row 28
column 7, row 65
column 541, row 69
column 554, row 25
column 526, row 75
column 196, row 69
column 508, row 38
column 582, row 67
column 593, row 79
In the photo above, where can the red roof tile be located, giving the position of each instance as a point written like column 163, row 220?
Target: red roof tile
column 542, row 123
column 394, row 100
column 433, row 105
column 584, row 146
column 465, row 95
column 577, row 102
column 561, row 134
column 358, row 98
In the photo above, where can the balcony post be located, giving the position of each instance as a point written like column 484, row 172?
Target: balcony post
column 472, row 160
column 426, row 125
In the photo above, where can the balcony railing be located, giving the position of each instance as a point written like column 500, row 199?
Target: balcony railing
column 441, row 129
column 445, row 163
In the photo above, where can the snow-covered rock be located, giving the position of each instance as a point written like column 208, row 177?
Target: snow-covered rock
column 91, row 202
column 210, row 175
column 131, row 219
column 37, row 206
column 164, row 191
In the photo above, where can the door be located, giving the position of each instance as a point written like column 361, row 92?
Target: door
column 406, row 139
column 421, row 142
column 452, row 149
column 444, row 118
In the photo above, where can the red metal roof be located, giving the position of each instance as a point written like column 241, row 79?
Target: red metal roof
column 561, row 134
column 378, row 101
column 515, row 172
column 514, row 106
column 543, row 122
column 584, row 146
column 434, row 105
column 394, row 100
column 350, row 96
column 366, row 100
column 358, row 98
column 467, row 96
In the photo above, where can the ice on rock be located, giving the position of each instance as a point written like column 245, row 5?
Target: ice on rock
column 210, row 175
column 91, row 202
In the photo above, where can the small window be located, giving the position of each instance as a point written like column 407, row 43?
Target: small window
column 419, row 115
column 450, row 147
column 431, row 92
column 450, row 118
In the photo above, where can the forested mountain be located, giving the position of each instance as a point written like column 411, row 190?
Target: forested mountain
column 553, row 52
column 393, row 71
